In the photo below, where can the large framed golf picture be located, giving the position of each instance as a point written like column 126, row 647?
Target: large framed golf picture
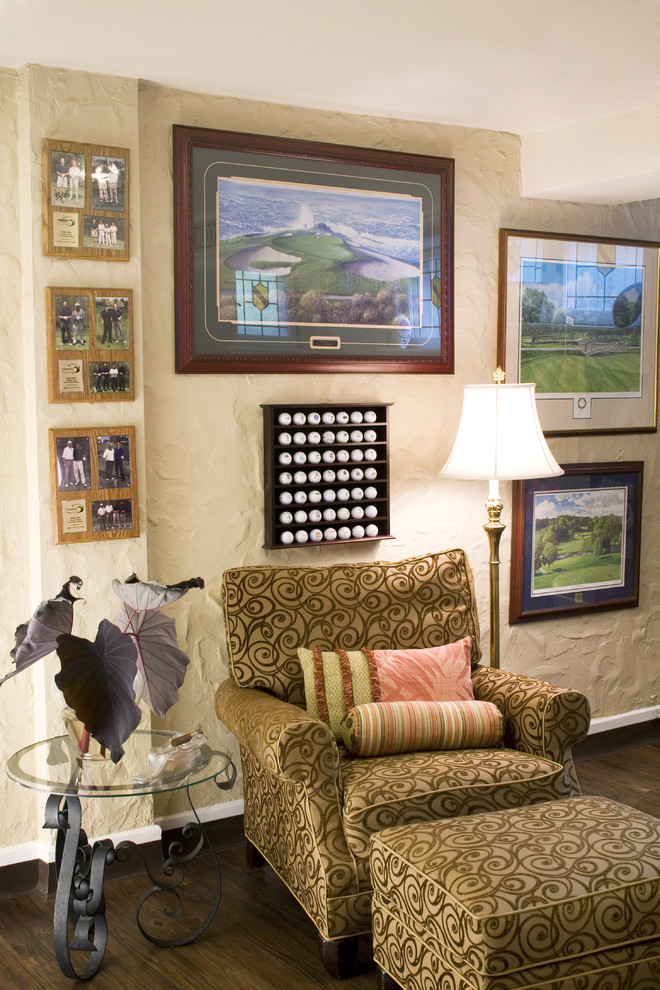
column 579, row 317
column 576, row 541
column 298, row 256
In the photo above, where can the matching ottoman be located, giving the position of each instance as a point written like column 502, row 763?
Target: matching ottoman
column 559, row 896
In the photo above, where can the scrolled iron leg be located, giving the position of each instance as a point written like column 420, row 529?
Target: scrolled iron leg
column 174, row 870
column 79, row 900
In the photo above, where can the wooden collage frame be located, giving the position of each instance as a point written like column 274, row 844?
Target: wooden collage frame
column 81, row 491
column 83, row 187
column 81, row 368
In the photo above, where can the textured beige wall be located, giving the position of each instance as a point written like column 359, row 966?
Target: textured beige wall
column 200, row 435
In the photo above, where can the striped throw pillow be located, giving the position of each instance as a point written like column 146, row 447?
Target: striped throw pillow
column 337, row 681
column 388, row 727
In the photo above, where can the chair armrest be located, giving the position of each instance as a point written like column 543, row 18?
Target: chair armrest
column 284, row 738
column 539, row 718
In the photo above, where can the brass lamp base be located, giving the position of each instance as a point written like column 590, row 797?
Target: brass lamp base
column 494, row 528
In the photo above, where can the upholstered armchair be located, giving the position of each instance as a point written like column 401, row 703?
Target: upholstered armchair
column 309, row 808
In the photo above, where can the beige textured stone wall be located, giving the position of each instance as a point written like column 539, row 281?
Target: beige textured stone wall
column 200, row 435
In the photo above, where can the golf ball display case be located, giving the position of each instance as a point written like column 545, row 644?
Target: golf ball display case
column 326, row 474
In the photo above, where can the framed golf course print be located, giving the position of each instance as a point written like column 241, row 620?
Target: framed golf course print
column 576, row 541
column 300, row 256
column 579, row 317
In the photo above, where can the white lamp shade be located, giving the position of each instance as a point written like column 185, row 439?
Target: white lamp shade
column 499, row 436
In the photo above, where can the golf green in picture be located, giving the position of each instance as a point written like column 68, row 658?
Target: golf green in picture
column 578, row 540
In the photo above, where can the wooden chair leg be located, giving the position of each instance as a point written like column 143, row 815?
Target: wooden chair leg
column 339, row 956
column 384, row 981
column 252, row 855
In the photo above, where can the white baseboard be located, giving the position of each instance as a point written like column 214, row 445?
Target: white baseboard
column 26, row 852
column 635, row 717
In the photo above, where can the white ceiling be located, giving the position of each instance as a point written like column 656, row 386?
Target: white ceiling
column 538, row 68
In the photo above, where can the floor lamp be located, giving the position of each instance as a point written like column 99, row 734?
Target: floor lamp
column 499, row 439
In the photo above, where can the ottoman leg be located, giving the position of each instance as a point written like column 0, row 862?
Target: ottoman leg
column 384, row 981
column 339, row 956
column 252, row 855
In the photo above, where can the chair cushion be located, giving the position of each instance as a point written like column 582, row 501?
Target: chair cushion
column 408, row 788
column 387, row 727
column 336, row 681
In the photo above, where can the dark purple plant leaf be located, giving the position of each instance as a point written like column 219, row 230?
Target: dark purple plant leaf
column 161, row 665
column 142, row 596
column 96, row 680
column 38, row 637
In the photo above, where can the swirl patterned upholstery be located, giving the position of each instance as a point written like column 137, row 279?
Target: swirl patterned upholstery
column 563, row 896
column 309, row 808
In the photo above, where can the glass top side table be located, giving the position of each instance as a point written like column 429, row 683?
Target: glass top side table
column 56, row 766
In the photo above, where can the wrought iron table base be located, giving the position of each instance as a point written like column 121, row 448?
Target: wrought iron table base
column 79, row 899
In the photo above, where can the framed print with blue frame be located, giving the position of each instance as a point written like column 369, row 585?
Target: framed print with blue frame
column 576, row 541
column 298, row 256
column 579, row 317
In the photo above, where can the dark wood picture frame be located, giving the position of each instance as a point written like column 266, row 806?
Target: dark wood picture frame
column 592, row 516
column 80, row 494
column 93, row 362
column 579, row 316
column 95, row 222
column 281, row 256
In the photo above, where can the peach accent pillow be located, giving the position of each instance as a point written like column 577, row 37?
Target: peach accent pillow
column 435, row 673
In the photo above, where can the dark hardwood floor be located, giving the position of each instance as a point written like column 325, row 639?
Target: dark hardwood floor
column 260, row 938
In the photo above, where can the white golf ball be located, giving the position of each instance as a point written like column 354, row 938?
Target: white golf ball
column 286, row 498
column 284, row 419
column 357, row 474
column 370, row 511
column 300, row 477
column 342, row 417
column 344, row 533
column 370, row 454
column 314, row 437
column 357, row 436
column 343, row 475
column 286, row 537
column 286, row 518
column 330, row 533
column 316, row 535
column 342, row 436
column 314, row 457
column 371, row 492
column 357, row 512
column 328, row 418
column 356, row 416
column 370, row 416
column 301, row 536
column 300, row 497
column 285, row 478
column 370, row 436
column 356, row 455
column 371, row 530
column 329, row 515
column 370, row 473
column 284, row 439
column 342, row 456
column 343, row 494
column 315, row 496
column 357, row 494
column 329, row 475
column 328, row 436
column 284, row 458
column 329, row 456
column 300, row 437
column 299, row 418
column 358, row 532
column 300, row 516
column 329, row 495
column 314, row 477
column 299, row 457
column 313, row 418
column 315, row 515
column 343, row 513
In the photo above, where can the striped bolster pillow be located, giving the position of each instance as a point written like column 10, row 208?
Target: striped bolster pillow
column 386, row 727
